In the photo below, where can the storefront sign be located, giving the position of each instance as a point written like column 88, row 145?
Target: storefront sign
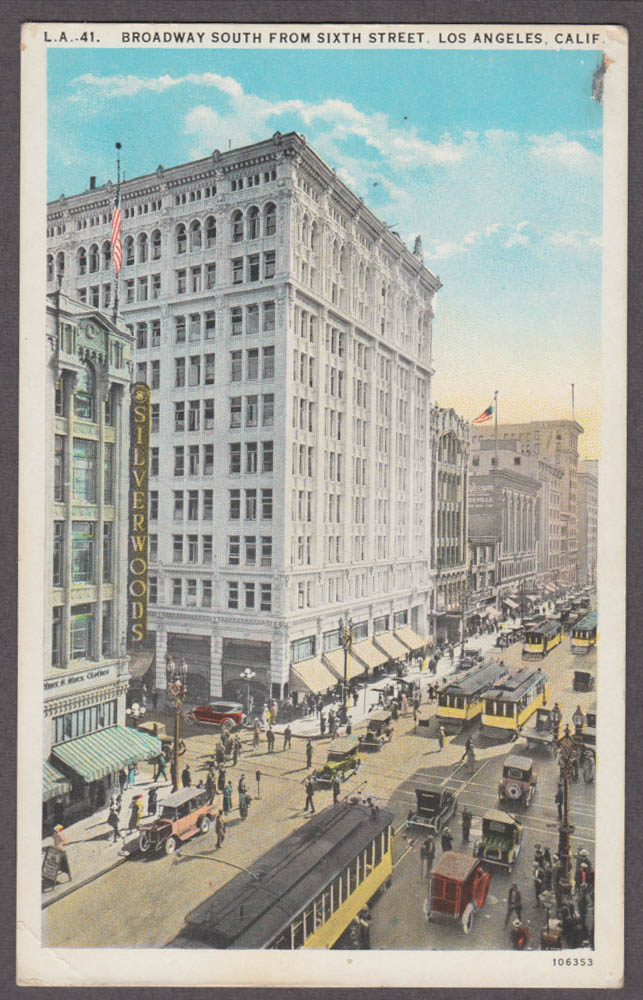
column 68, row 680
column 140, row 415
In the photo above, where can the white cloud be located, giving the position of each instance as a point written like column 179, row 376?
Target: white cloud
column 575, row 238
column 493, row 228
column 517, row 239
column 521, row 225
column 559, row 151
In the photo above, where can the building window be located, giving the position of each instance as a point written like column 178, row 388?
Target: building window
column 181, row 282
column 252, row 411
column 56, row 636
column 179, row 460
column 235, row 411
column 251, row 456
column 235, row 505
column 268, row 411
column 142, row 289
column 267, row 456
column 266, row 505
column 235, row 366
column 253, row 267
column 177, row 591
column 193, row 505
column 252, row 372
column 154, row 548
column 252, row 319
column 154, row 505
column 209, row 370
column 156, row 374
column 268, row 316
column 179, row 329
column 194, row 374
column 249, row 589
column 266, row 597
column 82, row 631
column 269, row 264
column 195, row 327
column 207, row 549
column 206, row 594
column 235, row 458
column 268, row 362
column 270, row 216
column 237, row 227
column 193, row 460
column 210, row 275
column 153, row 590
column 156, row 245
column 59, row 468
column 250, row 550
column 85, row 394
column 237, row 270
column 210, row 325
column 253, row 223
column 156, row 414
column 196, row 279
column 179, row 416
column 266, row 550
column 190, row 598
column 233, row 595
column 179, row 372
column 208, row 459
column 251, row 505
column 59, row 553
column 236, row 321
column 84, row 478
column 210, row 231
column 181, row 239
column 302, row 649
column 194, row 413
column 155, row 340
column 208, row 504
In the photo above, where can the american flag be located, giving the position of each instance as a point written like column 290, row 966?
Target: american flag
column 117, row 250
column 484, row 416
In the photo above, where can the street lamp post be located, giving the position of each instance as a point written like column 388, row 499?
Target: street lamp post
column 177, row 689
column 346, row 639
column 248, row 675
column 136, row 713
column 568, row 754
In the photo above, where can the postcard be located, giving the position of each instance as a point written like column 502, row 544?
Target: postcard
column 322, row 505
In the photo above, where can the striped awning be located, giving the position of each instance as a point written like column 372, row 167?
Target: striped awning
column 53, row 782
column 140, row 663
column 369, row 654
column 106, row 751
column 334, row 659
column 311, row 675
column 410, row 638
column 394, row 649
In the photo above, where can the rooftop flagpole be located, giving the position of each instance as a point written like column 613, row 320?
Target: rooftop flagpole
column 495, row 414
column 116, row 230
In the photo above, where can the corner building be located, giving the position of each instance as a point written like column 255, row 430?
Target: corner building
column 286, row 336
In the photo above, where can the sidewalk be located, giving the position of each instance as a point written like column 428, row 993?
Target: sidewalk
column 90, row 850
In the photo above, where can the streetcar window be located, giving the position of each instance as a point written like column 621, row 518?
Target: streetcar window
column 298, row 932
column 369, row 853
column 379, row 840
column 338, row 894
column 459, row 702
column 309, row 921
column 326, row 908
column 354, row 875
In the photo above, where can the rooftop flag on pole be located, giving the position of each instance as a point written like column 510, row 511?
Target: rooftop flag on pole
column 117, row 250
column 485, row 415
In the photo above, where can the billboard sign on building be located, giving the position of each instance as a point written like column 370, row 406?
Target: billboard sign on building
column 137, row 543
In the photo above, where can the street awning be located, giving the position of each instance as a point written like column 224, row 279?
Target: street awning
column 140, row 663
column 391, row 646
column 106, row 751
column 54, row 783
column 369, row 654
column 334, row 659
column 410, row 638
column 510, row 603
column 311, row 675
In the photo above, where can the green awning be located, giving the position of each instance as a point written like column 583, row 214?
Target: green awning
column 106, row 751
column 53, row 782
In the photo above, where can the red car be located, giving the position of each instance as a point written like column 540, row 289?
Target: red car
column 227, row 714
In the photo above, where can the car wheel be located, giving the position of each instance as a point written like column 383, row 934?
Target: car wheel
column 144, row 842
column 170, row 845
column 467, row 918
column 204, row 824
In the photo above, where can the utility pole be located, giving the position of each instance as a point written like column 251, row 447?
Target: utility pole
column 346, row 639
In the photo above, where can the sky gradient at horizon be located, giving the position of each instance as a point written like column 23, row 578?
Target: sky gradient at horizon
column 494, row 158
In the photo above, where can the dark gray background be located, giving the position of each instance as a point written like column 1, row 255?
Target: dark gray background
column 628, row 13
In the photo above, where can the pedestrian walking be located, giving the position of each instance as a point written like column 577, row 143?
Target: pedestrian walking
column 270, row 739
column 582, row 902
column 427, row 856
column 131, row 775
column 349, row 726
column 547, row 865
column 309, row 785
column 219, row 754
column 466, row 825
column 322, row 724
column 236, row 749
column 441, row 737
column 136, row 812
column 221, row 780
column 519, row 936
column 151, row 801
column 309, row 754
column 539, row 881
column 355, row 697
column 161, row 765
column 468, row 748
column 451, row 654
column 60, row 842
column 287, row 738
column 255, row 736
column 219, row 827
column 210, row 788
column 258, row 780
column 335, row 787
column 243, row 803
column 331, row 720
column 186, row 777
column 558, row 799
column 446, row 841
column 227, row 798
column 122, row 779
column 364, row 924
column 538, row 854
column 416, row 705
column 113, row 821
column 514, row 903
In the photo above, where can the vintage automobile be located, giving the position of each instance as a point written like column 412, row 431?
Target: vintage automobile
column 584, row 680
column 501, row 839
column 342, row 760
column 519, row 780
column 459, row 888
column 434, row 808
column 227, row 714
column 183, row 814
column 378, row 732
column 541, row 735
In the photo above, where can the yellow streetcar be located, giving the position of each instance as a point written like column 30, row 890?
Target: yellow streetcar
column 541, row 640
column 585, row 634
column 461, row 701
column 306, row 891
column 513, row 700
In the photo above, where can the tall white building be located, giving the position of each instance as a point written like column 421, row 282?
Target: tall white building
column 286, row 336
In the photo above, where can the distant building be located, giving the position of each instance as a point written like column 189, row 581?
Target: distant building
column 85, row 671
column 503, row 522
column 556, row 441
column 449, row 503
column 587, row 521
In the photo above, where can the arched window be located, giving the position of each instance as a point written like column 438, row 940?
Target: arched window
column 305, row 230
column 270, row 219
column 107, row 254
column 85, row 394
column 142, row 248
column 237, row 226
column 181, row 239
column 253, row 223
column 82, row 260
column 93, row 258
column 313, row 236
column 129, row 251
column 210, row 231
column 60, row 263
column 195, row 235
column 50, row 267
column 156, row 244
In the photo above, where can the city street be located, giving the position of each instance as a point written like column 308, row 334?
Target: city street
column 144, row 901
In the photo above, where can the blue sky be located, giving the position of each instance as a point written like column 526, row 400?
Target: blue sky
column 494, row 158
